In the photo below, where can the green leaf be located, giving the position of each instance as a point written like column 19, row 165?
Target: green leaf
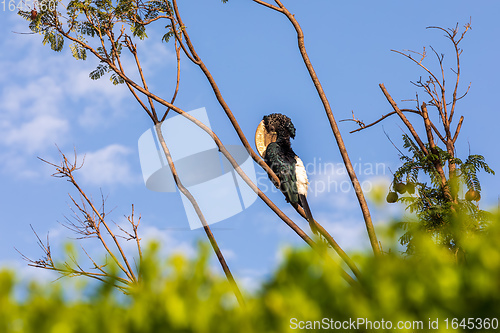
column 138, row 30
column 55, row 40
column 166, row 37
column 87, row 29
column 116, row 79
column 78, row 52
column 99, row 72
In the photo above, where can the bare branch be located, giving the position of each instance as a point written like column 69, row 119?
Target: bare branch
column 178, row 37
column 452, row 34
column 68, row 270
column 465, row 93
column 135, row 226
column 428, row 128
column 404, row 119
column 198, row 211
column 336, row 132
column 457, row 131
column 380, row 119
column 263, row 3
column 197, row 60
column 420, row 64
column 357, row 121
column 333, row 244
column 390, row 140
column 141, row 73
column 65, row 170
column 178, row 77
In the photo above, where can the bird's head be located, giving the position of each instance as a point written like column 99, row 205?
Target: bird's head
column 279, row 124
column 274, row 127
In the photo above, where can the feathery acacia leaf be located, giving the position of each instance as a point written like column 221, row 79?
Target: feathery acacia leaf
column 138, row 30
column 116, row 79
column 433, row 209
column 78, row 52
column 99, row 72
column 55, row 40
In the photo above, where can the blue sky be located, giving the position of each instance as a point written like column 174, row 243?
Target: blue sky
column 47, row 98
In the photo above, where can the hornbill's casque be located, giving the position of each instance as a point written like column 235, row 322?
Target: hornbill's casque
column 272, row 140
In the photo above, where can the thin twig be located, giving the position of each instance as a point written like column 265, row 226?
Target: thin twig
column 197, row 60
column 404, row 119
column 363, row 126
column 178, row 77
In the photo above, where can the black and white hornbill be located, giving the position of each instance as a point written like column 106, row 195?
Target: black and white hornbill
column 272, row 140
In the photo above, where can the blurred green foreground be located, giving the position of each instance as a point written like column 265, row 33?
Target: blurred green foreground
column 429, row 292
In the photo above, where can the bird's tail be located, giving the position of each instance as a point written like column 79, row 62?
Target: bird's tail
column 307, row 210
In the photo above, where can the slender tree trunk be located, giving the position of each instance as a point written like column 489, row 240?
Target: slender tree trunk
column 336, row 132
column 207, row 229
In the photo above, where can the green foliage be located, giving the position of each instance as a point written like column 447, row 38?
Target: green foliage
column 55, row 40
column 166, row 37
column 138, row 30
column 78, row 52
column 469, row 169
column 435, row 212
column 99, row 72
column 116, row 79
column 99, row 20
column 184, row 295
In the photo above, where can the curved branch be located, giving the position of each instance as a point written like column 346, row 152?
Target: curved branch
column 457, row 131
column 420, row 64
column 179, row 39
column 336, row 132
column 382, row 118
column 178, row 78
column 404, row 119
column 221, row 147
column 265, row 4
column 240, row 172
column 333, row 244
column 198, row 211
column 197, row 60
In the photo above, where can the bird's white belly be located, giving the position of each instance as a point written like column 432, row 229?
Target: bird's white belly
column 300, row 171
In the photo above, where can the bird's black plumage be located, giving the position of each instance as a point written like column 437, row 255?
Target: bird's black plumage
column 281, row 158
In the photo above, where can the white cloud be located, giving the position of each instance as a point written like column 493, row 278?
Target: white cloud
column 169, row 244
column 229, row 254
column 331, row 191
column 108, row 165
column 250, row 280
column 155, row 55
column 13, row 164
column 90, row 117
column 34, row 135
column 350, row 234
column 48, row 98
column 41, row 94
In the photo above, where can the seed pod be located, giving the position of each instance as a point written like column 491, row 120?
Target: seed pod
column 410, row 188
column 392, row 197
column 472, row 195
column 400, row 188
